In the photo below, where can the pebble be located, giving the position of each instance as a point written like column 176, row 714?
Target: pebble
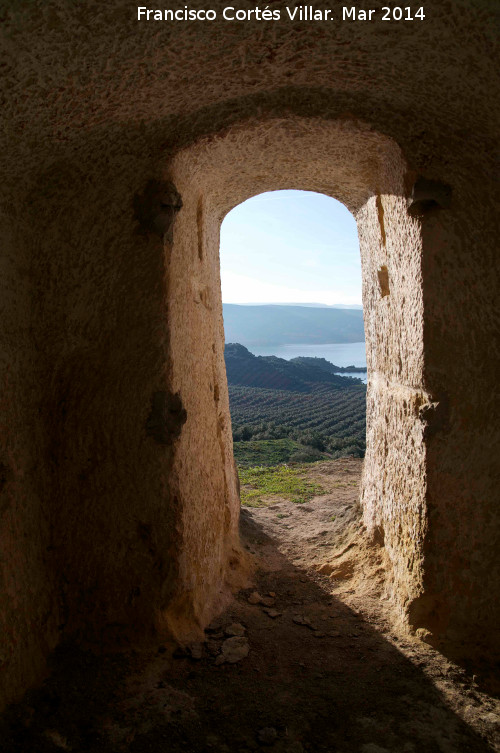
column 255, row 598
column 423, row 634
column 273, row 613
column 235, row 629
column 57, row 739
column 213, row 629
column 196, row 651
column 268, row 601
column 233, row 650
column 267, row 735
column 300, row 620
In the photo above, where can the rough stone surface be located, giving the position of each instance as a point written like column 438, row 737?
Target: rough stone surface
column 107, row 532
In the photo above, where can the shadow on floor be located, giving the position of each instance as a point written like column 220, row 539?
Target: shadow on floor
column 318, row 678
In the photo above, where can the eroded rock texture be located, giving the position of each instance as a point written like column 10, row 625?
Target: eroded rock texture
column 118, row 508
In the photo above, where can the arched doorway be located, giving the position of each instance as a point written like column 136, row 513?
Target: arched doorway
column 365, row 171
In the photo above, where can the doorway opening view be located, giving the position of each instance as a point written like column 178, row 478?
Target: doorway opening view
column 295, row 351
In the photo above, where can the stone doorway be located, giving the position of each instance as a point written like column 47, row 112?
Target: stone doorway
column 367, row 172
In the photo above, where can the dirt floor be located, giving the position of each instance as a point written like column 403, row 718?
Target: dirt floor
column 308, row 659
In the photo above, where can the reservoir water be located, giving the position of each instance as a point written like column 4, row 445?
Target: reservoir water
column 341, row 354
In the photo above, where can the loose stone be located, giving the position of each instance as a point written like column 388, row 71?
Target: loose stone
column 267, row 735
column 300, row 620
column 254, row 598
column 196, row 651
column 233, row 650
column 273, row 613
column 267, row 601
column 235, row 629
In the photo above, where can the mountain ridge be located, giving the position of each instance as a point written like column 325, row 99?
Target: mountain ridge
column 276, row 324
column 270, row 372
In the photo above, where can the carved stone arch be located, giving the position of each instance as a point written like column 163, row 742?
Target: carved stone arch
column 365, row 170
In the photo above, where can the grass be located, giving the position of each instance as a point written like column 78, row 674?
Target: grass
column 265, row 451
column 261, row 485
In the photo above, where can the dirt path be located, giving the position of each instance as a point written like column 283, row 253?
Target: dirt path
column 317, row 667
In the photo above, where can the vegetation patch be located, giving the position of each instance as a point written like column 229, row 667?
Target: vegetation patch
column 295, row 411
column 328, row 421
column 273, row 452
column 260, row 486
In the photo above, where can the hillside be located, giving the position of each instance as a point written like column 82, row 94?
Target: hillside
column 273, row 373
column 285, row 411
column 324, row 365
column 279, row 325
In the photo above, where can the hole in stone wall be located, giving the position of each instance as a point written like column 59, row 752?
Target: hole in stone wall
column 383, row 280
column 199, row 225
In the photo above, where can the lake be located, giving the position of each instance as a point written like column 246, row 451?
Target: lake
column 341, row 354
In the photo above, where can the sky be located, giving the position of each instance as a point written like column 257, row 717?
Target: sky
column 290, row 247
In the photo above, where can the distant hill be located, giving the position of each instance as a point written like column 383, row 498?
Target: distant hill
column 272, row 373
column 322, row 363
column 292, row 411
column 282, row 325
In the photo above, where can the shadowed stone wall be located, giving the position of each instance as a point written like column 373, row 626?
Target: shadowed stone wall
column 117, row 493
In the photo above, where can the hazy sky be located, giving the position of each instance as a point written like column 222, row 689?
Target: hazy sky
column 290, row 247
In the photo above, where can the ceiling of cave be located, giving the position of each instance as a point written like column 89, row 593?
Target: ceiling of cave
column 86, row 82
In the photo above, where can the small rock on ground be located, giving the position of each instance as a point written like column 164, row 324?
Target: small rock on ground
column 272, row 613
column 267, row 735
column 268, row 601
column 235, row 629
column 233, row 650
column 255, row 598
column 196, row 651
column 300, row 620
